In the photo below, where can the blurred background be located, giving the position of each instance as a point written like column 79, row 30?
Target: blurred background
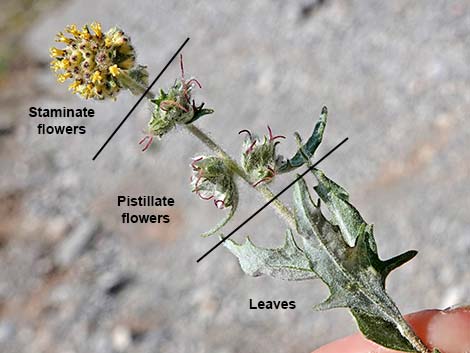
column 74, row 279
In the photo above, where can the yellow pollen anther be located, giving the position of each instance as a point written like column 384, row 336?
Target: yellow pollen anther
column 96, row 27
column 64, row 64
column 73, row 86
column 85, row 33
column 56, row 65
column 62, row 77
column 55, row 52
column 73, row 30
column 63, row 39
column 96, row 77
column 87, row 91
column 114, row 70
column 108, row 42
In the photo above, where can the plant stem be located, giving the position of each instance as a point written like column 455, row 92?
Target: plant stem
column 286, row 214
column 133, row 85
column 280, row 208
column 407, row 332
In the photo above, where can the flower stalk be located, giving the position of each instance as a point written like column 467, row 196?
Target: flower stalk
column 133, row 85
column 281, row 209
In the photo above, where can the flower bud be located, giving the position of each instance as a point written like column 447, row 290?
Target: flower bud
column 176, row 106
column 211, row 179
column 259, row 157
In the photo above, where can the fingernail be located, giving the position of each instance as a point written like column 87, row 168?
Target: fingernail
column 448, row 330
column 464, row 306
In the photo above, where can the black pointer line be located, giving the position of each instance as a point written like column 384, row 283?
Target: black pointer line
column 140, row 99
column 270, row 201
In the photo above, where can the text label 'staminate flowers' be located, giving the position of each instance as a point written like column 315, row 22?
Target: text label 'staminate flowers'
column 94, row 61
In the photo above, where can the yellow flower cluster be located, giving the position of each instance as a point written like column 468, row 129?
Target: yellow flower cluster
column 93, row 60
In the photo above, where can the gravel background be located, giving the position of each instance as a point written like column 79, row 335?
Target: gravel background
column 395, row 77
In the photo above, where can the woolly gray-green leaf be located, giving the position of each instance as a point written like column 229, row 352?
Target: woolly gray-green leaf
column 287, row 262
column 308, row 149
column 354, row 273
column 337, row 200
column 380, row 331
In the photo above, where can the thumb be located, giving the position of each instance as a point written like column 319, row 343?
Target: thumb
column 447, row 330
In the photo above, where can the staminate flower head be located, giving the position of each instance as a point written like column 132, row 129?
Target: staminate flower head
column 211, row 179
column 259, row 157
column 93, row 61
column 175, row 107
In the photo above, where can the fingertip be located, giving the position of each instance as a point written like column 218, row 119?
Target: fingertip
column 351, row 344
column 448, row 330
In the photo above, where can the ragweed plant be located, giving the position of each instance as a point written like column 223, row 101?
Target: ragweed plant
column 339, row 250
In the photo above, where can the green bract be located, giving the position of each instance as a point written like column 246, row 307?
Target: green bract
column 306, row 151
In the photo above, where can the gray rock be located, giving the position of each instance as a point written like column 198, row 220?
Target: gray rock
column 121, row 338
column 75, row 243
column 7, row 331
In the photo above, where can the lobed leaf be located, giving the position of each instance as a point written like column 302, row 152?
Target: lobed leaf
column 287, row 262
column 354, row 273
column 200, row 112
column 307, row 150
column 345, row 216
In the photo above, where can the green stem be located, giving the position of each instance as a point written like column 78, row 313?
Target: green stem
column 133, row 85
column 280, row 208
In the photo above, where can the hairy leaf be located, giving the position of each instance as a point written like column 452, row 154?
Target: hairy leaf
column 345, row 216
column 307, row 150
column 287, row 262
column 348, row 263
